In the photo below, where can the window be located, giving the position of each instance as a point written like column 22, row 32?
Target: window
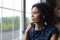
column 13, row 4
column 10, row 12
column 0, row 2
column 0, row 23
column 7, row 24
column 29, row 4
column 8, row 3
column 44, row 1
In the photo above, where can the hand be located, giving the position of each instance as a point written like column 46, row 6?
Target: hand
column 29, row 27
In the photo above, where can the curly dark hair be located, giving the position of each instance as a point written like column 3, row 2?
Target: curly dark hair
column 47, row 11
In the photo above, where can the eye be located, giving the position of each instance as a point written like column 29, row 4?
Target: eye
column 35, row 13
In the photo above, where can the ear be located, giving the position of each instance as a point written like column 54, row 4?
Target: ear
column 45, row 23
column 43, row 17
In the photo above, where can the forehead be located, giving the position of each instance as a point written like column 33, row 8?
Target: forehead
column 35, row 9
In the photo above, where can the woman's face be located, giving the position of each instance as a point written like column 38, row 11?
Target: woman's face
column 36, row 15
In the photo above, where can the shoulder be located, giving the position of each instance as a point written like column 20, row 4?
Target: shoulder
column 52, row 30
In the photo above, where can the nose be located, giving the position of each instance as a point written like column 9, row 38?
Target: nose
column 32, row 15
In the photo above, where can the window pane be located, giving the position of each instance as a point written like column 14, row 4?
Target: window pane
column 29, row 4
column 8, row 4
column 28, row 18
column 10, row 19
column 44, row 1
column 18, row 4
column 11, row 25
column 7, row 29
column 13, row 4
column 7, row 25
column 17, row 25
column 0, row 2
column 0, row 23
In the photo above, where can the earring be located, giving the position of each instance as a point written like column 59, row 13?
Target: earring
column 45, row 23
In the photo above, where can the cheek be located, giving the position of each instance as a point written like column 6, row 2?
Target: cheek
column 37, row 17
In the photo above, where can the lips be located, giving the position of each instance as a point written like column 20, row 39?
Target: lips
column 33, row 19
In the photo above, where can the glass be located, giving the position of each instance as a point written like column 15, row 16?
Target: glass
column 29, row 4
column 44, row 1
column 17, row 25
column 0, row 3
column 7, row 24
column 10, row 19
column 10, row 25
column 8, row 4
column 18, row 4
column 0, row 23
column 12, row 4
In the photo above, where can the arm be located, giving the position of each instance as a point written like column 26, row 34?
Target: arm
column 25, row 36
column 54, row 37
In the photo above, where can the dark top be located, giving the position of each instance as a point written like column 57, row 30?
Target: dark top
column 44, row 34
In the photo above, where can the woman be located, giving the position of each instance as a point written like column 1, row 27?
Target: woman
column 40, row 28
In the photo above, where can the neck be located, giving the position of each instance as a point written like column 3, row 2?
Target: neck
column 39, row 27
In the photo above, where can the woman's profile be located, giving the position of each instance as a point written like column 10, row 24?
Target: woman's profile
column 41, row 27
